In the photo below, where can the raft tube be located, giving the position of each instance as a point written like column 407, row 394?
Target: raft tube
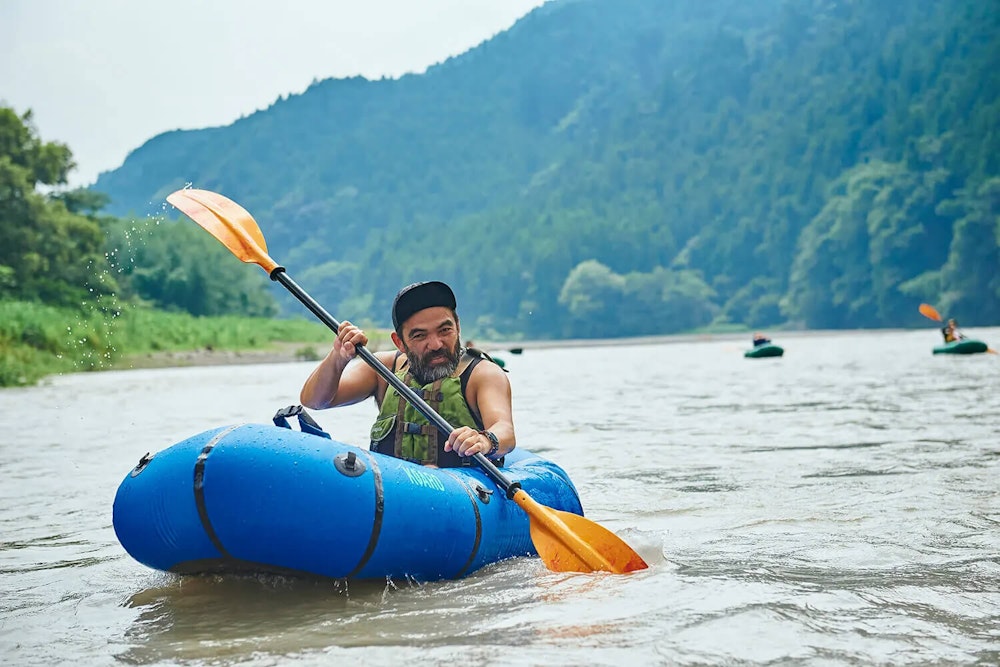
column 258, row 498
column 964, row 346
column 768, row 350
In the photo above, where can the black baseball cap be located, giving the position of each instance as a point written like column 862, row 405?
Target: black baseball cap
column 418, row 296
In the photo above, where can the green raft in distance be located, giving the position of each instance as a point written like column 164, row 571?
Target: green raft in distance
column 965, row 346
column 768, row 350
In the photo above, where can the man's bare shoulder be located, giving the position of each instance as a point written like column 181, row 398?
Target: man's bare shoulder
column 488, row 371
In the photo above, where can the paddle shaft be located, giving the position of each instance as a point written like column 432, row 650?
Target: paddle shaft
column 280, row 275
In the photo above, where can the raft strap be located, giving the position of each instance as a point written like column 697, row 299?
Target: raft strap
column 306, row 423
column 199, row 490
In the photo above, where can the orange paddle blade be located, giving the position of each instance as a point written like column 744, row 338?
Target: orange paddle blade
column 571, row 543
column 928, row 310
column 228, row 222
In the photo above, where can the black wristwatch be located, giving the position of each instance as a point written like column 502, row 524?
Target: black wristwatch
column 495, row 447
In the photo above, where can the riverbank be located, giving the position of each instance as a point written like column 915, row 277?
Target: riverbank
column 277, row 353
column 288, row 352
column 728, row 336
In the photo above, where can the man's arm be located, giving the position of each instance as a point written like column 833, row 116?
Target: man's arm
column 338, row 381
column 489, row 394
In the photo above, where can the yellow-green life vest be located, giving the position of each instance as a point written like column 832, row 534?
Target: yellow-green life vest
column 401, row 431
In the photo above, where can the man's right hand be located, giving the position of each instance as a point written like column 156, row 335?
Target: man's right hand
column 348, row 339
column 332, row 383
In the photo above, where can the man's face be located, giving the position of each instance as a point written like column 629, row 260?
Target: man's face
column 432, row 342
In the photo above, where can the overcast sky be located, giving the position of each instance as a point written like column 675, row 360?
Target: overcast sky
column 103, row 76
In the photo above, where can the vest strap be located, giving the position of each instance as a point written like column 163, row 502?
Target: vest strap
column 411, row 428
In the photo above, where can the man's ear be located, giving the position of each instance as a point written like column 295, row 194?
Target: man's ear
column 398, row 342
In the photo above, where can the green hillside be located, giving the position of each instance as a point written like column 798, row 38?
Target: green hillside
column 625, row 167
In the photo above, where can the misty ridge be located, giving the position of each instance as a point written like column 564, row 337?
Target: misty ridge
column 632, row 167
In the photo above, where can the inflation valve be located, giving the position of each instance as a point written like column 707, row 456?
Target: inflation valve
column 484, row 494
column 349, row 464
column 141, row 465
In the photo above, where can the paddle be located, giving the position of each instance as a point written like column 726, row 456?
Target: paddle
column 566, row 542
column 931, row 312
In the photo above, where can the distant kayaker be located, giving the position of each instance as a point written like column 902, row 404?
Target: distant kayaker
column 951, row 332
column 760, row 339
column 472, row 396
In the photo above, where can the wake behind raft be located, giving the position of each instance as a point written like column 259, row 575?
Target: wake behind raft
column 257, row 498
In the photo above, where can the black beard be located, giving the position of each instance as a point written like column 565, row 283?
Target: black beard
column 425, row 372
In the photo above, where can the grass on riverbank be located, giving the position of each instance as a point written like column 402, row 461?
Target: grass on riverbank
column 38, row 340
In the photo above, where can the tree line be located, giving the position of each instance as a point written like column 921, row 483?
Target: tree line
column 58, row 248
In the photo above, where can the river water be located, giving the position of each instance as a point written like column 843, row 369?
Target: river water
column 838, row 506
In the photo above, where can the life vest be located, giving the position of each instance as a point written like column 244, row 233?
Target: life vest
column 401, row 431
column 948, row 336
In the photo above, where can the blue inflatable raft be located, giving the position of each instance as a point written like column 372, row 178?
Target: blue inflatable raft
column 260, row 498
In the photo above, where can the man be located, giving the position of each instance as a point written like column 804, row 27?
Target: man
column 474, row 397
column 951, row 332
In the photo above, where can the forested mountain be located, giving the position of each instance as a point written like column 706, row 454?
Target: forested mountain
column 624, row 167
